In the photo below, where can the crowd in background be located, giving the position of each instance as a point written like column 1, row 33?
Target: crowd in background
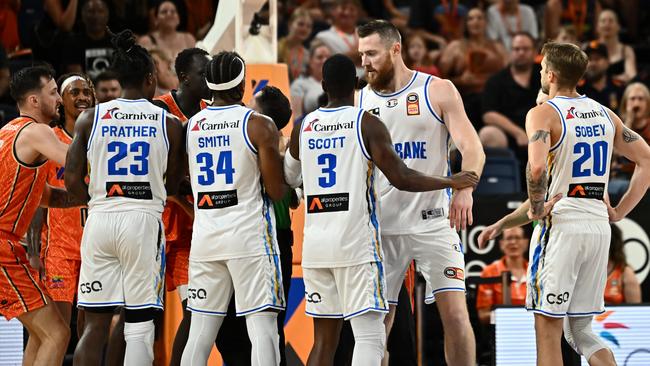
column 489, row 49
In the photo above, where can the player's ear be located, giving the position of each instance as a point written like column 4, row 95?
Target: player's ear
column 396, row 48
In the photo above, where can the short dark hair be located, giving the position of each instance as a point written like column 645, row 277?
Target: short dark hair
column 106, row 75
column 275, row 105
column 131, row 61
column 525, row 34
column 184, row 59
column 225, row 66
column 567, row 60
column 387, row 32
column 28, row 80
column 339, row 76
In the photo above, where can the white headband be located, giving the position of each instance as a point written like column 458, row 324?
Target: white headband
column 69, row 81
column 230, row 84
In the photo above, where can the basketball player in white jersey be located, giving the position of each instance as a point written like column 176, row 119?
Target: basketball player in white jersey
column 338, row 147
column 571, row 140
column 424, row 115
column 132, row 151
column 235, row 170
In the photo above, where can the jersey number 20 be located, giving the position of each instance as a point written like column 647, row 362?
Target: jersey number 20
column 599, row 152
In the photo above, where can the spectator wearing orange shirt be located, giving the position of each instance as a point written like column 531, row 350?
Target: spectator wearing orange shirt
column 513, row 245
column 622, row 285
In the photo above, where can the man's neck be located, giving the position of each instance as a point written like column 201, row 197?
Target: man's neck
column 96, row 36
column 188, row 104
column 132, row 94
column 600, row 83
column 341, row 102
column 402, row 77
column 219, row 102
column 514, row 263
column 562, row 92
column 34, row 114
column 68, row 126
column 521, row 70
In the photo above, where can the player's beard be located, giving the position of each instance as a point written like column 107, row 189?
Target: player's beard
column 545, row 88
column 382, row 76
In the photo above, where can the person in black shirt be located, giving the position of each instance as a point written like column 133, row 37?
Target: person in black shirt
column 597, row 84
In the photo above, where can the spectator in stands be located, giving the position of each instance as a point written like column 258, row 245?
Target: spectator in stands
column 8, row 109
column 567, row 34
column 342, row 35
column 493, row 138
column 291, row 49
column 440, row 21
column 580, row 14
column 635, row 109
column 622, row 59
column 622, row 285
column 511, row 92
column 470, row 61
column 167, row 79
column 417, row 54
column 629, row 12
column 306, row 90
column 597, row 84
column 91, row 50
column 513, row 245
column 107, row 87
column 50, row 32
column 9, row 25
column 166, row 37
column 506, row 18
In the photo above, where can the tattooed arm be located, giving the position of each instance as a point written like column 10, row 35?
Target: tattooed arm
column 629, row 144
column 538, row 127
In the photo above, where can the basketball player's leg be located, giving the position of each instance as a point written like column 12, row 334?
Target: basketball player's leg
column 439, row 258
column 176, row 278
column 397, row 258
column 182, row 333
column 579, row 334
column 48, row 336
column 95, row 335
column 116, row 346
column 326, row 338
column 259, row 296
column 548, row 336
column 209, row 291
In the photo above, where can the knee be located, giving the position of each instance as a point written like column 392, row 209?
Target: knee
column 58, row 335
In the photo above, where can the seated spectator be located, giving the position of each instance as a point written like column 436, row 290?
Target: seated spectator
column 510, row 93
column 580, row 14
column 417, row 54
column 107, row 87
column 597, row 84
column 470, row 61
column 167, row 79
column 567, row 34
column 91, row 50
column 342, row 35
column 166, row 37
column 8, row 109
column 307, row 89
column 513, row 244
column 49, row 34
column 622, row 285
column 506, row 18
column 493, row 138
column 440, row 21
column 622, row 59
column 291, row 49
column 9, row 25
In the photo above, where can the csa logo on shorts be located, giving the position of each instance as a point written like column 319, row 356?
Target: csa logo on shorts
column 412, row 104
column 455, row 273
column 313, row 298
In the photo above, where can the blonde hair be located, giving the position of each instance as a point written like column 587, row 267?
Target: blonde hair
column 626, row 95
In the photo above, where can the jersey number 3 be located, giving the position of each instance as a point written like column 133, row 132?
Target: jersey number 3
column 140, row 151
column 329, row 162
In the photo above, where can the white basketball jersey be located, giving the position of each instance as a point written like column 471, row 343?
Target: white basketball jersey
column 127, row 156
column 578, row 164
column 233, row 217
column 341, row 226
column 421, row 139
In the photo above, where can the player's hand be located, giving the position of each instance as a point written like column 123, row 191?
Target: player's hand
column 460, row 210
column 464, row 179
column 548, row 206
column 489, row 233
column 614, row 215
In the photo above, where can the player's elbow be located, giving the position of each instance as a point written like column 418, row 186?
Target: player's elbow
column 277, row 192
column 535, row 171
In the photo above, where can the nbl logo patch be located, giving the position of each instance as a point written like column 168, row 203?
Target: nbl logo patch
column 587, row 190
column 328, row 203
column 135, row 190
column 455, row 273
column 412, row 104
column 219, row 199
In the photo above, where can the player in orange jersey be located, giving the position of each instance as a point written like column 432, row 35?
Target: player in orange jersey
column 61, row 237
column 26, row 143
column 178, row 215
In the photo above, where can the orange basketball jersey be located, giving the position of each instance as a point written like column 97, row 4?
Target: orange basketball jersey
column 64, row 226
column 21, row 185
column 178, row 225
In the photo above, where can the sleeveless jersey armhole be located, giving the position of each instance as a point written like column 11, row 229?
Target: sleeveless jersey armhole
column 92, row 133
column 360, row 136
column 245, row 131
column 426, row 100
column 557, row 144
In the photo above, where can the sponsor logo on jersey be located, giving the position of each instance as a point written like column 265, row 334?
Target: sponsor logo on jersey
column 135, row 190
column 114, row 113
column 412, row 104
column 432, row 213
column 202, row 125
column 573, row 113
column 558, row 298
column 217, row 199
column 455, row 273
column 391, row 103
column 328, row 203
column 374, row 111
column 315, row 125
column 587, row 190
column 57, row 282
